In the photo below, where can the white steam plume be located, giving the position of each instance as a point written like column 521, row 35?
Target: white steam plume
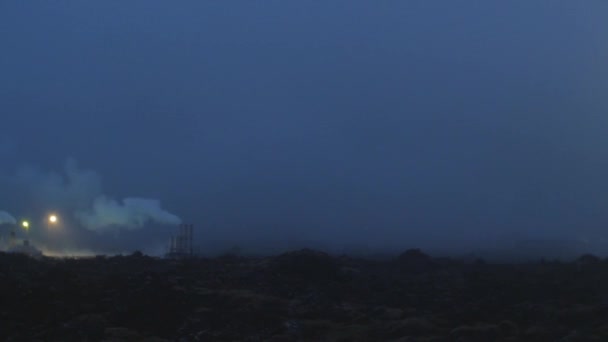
column 74, row 188
column 133, row 213
column 78, row 194
column 6, row 218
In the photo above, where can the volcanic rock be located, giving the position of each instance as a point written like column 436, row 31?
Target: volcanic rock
column 301, row 295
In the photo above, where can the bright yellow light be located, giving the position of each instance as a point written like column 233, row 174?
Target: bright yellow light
column 53, row 219
column 25, row 224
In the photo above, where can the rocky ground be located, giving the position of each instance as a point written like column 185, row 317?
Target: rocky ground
column 301, row 296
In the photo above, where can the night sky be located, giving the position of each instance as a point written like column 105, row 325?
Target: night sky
column 279, row 124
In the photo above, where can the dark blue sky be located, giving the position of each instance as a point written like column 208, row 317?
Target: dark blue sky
column 359, row 122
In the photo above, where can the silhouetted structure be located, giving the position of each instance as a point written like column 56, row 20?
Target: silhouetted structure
column 181, row 244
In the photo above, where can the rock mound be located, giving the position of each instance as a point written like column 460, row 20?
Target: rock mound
column 307, row 263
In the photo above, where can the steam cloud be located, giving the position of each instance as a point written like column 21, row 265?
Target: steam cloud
column 73, row 189
column 132, row 213
column 6, row 218
column 79, row 192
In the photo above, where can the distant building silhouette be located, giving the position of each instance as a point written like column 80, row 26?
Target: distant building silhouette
column 181, row 245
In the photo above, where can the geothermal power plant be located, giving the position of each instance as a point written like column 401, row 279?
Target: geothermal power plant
column 10, row 242
column 15, row 238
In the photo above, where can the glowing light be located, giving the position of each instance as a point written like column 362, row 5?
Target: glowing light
column 53, row 219
column 25, row 224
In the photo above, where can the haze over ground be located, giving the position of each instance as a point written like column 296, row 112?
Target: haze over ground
column 359, row 123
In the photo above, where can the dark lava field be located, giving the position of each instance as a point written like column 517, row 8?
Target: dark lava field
column 301, row 296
